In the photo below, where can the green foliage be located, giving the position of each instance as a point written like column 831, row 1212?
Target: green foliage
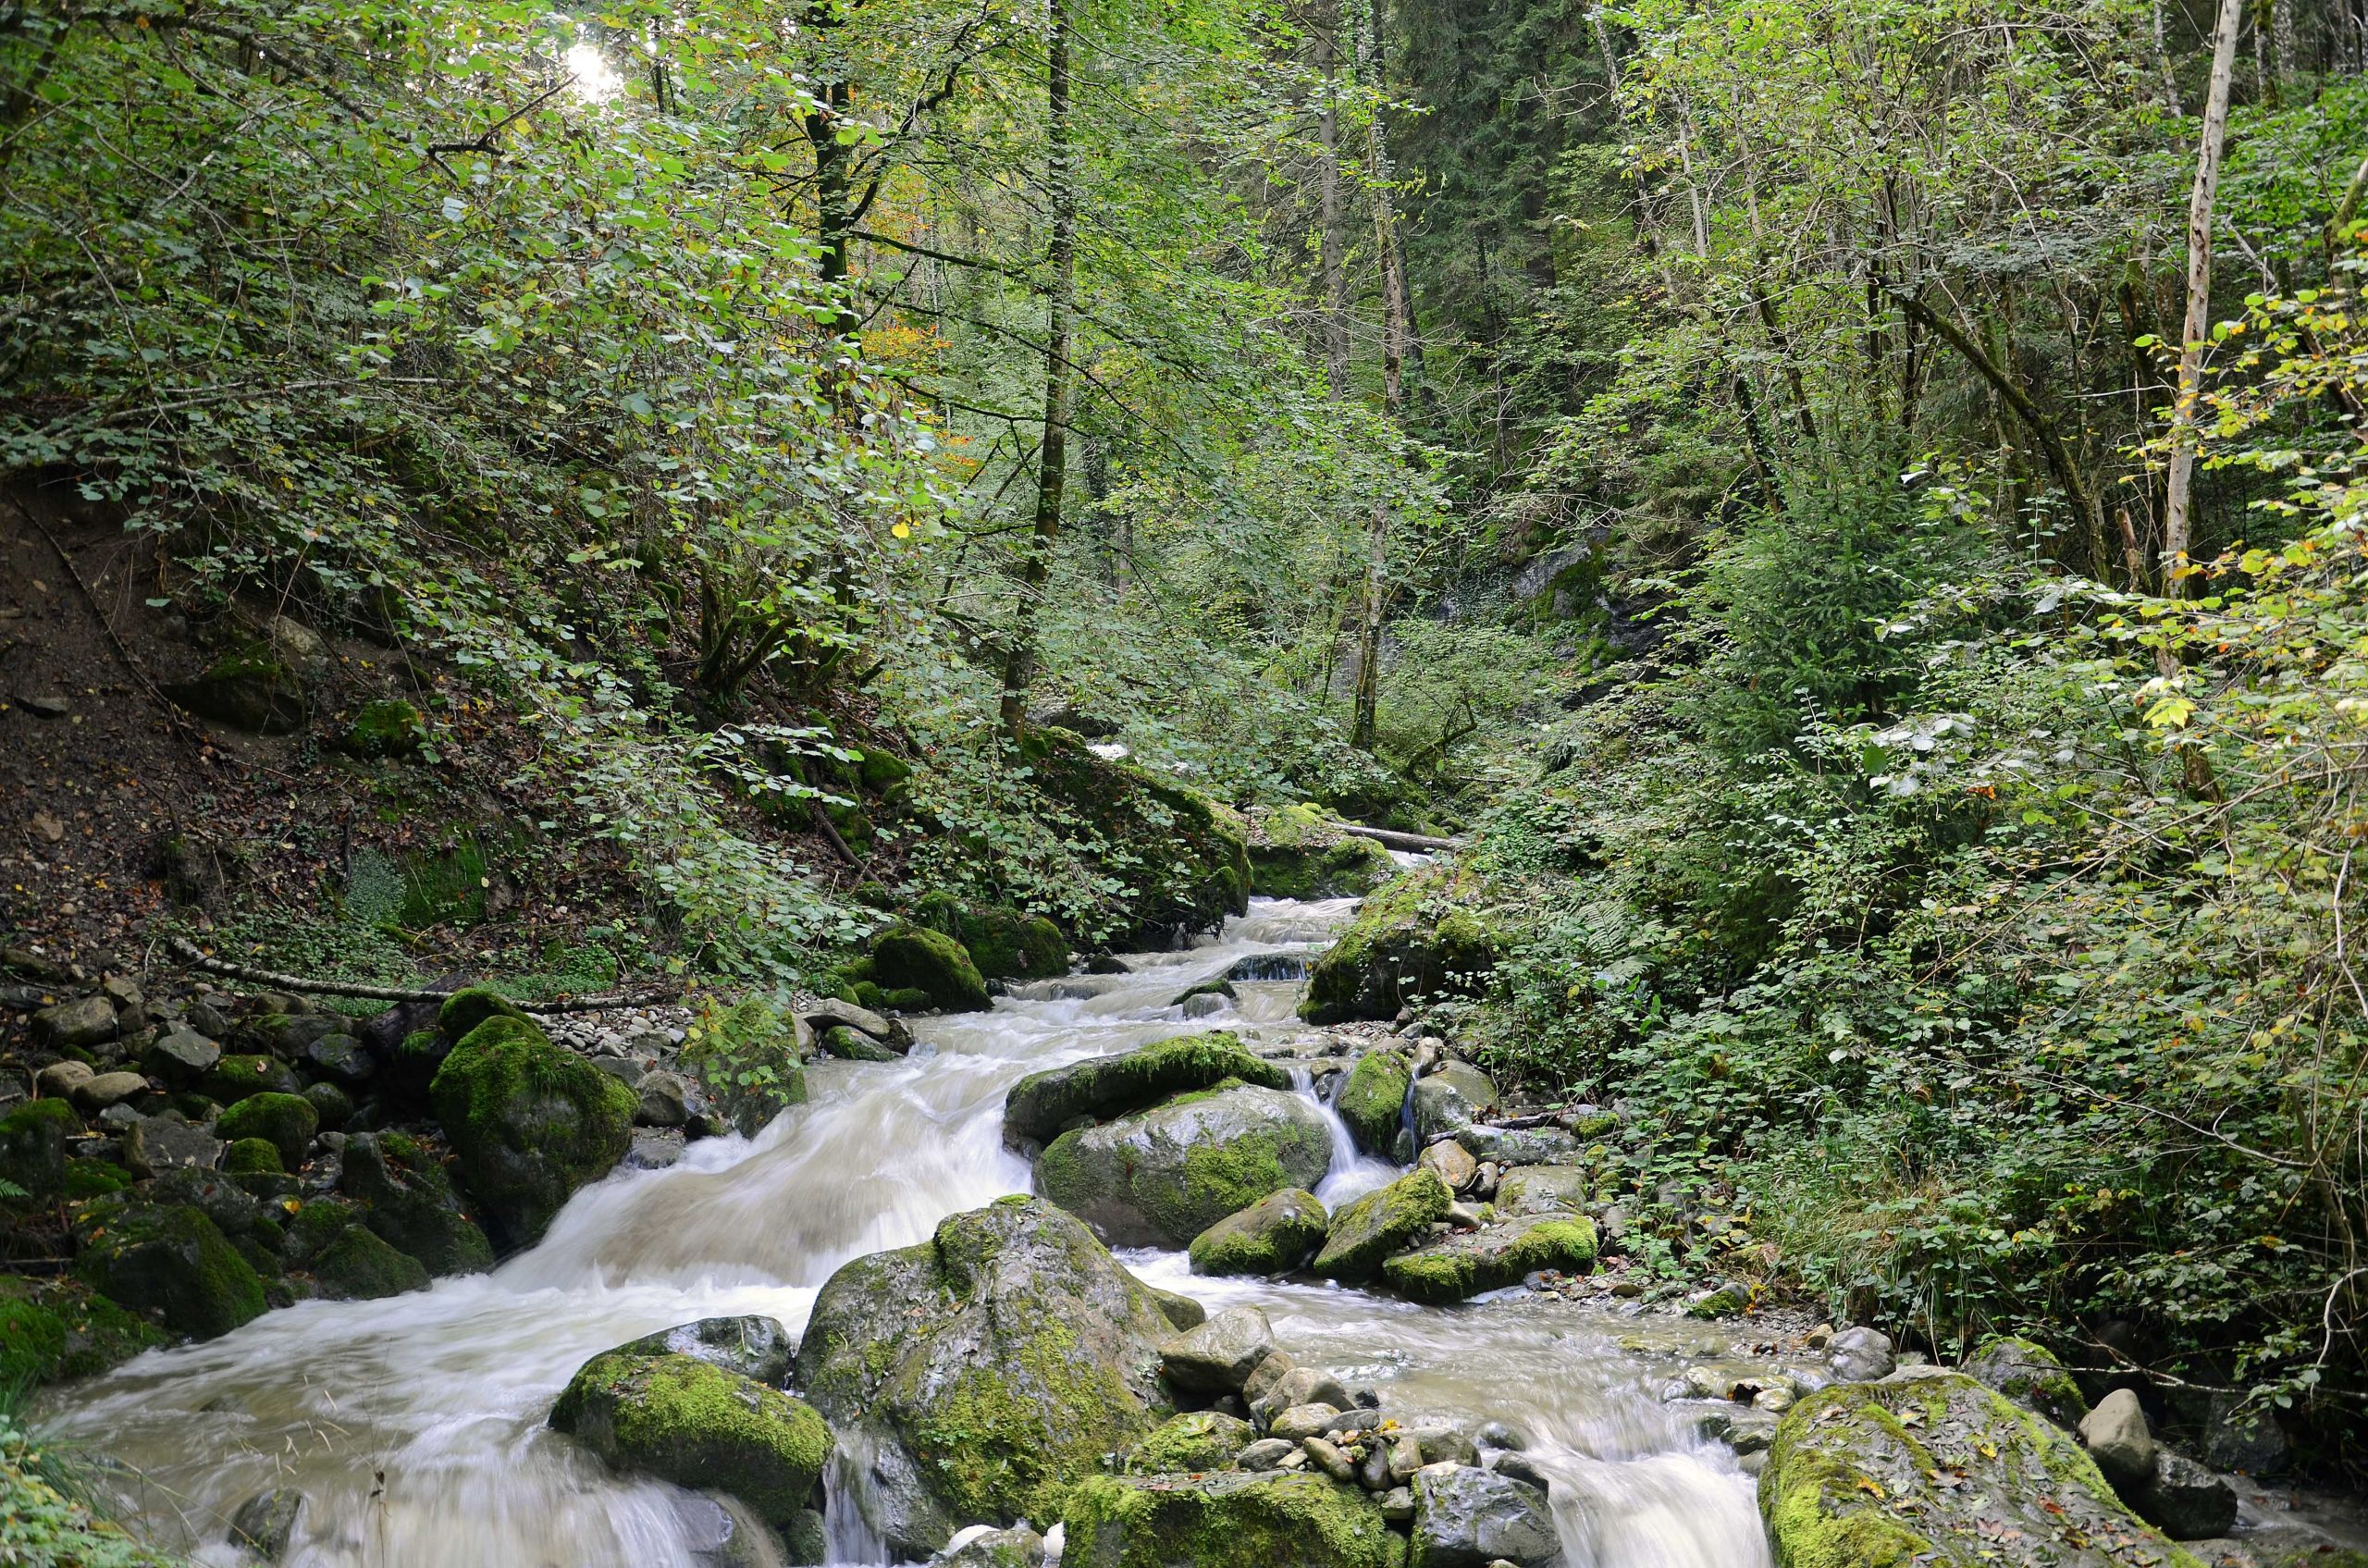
column 46, row 1515
column 747, row 1057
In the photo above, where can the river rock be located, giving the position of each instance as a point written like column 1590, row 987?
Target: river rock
column 1453, row 1162
column 1516, row 1145
column 2185, row 1500
column 983, row 1373
column 663, row 1099
column 99, row 1091
column 1459, row 1267
column 1372, row 1099
column 1298, row 1385
column 1199, row 1440
column 917, row 958
column 154, row 1144
column 1229, row 1519
column 1450, row 1100
column 411, row 1205
column 180, row 1055
column 34, row 1139
column 58, row 1079
column 2115, row 1433
column 1467, row 1518
column 1277, row 1234
column 2029, row 1374
column 759, row 1349
column 165, row 1258
column 1043, row 1104
column 982, row 1547
column 690, row 1422
column 339, row 1059
column 1542, row 1188
column 358, row 1266
column 234, row 1077
column 75, row 1025
column 1266, row 1454
column 1421, row 935
column 287, row 1122
column 1388, row 1220
column 529, row 1123
column 265, row 1523
column 1856, row 1355
column 1163, row 1176
column 1300, row 1422
column 1975, row 1481
column 1218, row 1357
column 1445, row 1441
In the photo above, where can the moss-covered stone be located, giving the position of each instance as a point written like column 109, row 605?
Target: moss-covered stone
column 1296, row 853
column 408, row 1202
column 234, row 1078
column 917, row 958
column 1940, row 1469
column 1425, row 934
column 1003, row 943
column 2028, row 1373
column 1276, row 1519
column 1459, row 1267
column 34, row 1139
column 1373, row 1101
column 253, row 1157
column 1161, row 1177
column 249, row 687
column 1199, row 1440
column 1364, row 1234
column 692, row 1423
column 285, row 1121
column 1277, row 1234
column 529, row 1123
column 357, row 1265
column 165, row 1258
column 1043, row 1104
column 53, row 1329
column 389, row 727
column 92, row 1178
column 466, row 1008
column 412, row 1067
column 989, row 1368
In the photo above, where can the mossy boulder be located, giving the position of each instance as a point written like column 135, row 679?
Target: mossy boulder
column 1459, row 1267
column 53, row 1329
column 234, row 1078
column 1003, row 943
column 1199, row 1440
column 697, row 1425
column 2029, row 1374
column 529, row 1123
column 92, row 1178
column 1428, row 933
column 1043, row 1104
column 929, row 962
column 466, row 1008
column 250, row 687
column 389, row 727
column 1295, row 852
column 1941, row 1470
column 253, row 1157
column 285, row 1121
column 168, row 1259
column 357, row 1265
column 34, row 1139
column 1273, row 1518
column 408, row 1202
column 1372, row 1099
column 1277, row 1234
column 1392, row 1219
column 985, row 1371
column 760, row 1348
column 1182, row 861
column 1161, row 1177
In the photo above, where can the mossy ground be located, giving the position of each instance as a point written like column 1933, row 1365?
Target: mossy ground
column 51, row 1329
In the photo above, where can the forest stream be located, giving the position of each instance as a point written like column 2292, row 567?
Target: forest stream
column 414, row 1425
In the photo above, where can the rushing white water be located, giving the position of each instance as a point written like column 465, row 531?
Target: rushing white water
column 414, row 1425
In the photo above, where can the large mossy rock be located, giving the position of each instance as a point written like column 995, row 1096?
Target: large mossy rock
column 250, row 687
column 1373, row 1101
column 1940, row 1469
column 168, row 1259
column 1277, row 1234
column 1003, row 943
column 1425, row 934
column 985, row 1372
column 917, row 958
column 1043, row 1104
column 1161, row 1177
column 1227, row 1519
column 1296, row 853
column 1182, row 860
column 1459, row 1267
column 692, row 1423
column 1199, row 1440
column 529, row 1123
column 51, row 1329
column 408, row 1203
column 1392, row 1219
column 2028, row 1373
column 287, row 1122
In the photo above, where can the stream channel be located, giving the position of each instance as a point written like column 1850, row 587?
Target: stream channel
column 414, row 1425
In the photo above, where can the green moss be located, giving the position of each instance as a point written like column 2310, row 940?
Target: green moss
column 1043, row 1103
column 92, row 1178
column 1420, row 935
column 687, row 1421
column 357, row 1265
column 53, row 1329
column 32, row 1145
column 2028, row 1373
column 917, row 958
column 464, row 1010
column 165, row 1258
column 235, row 1077
column 1277, row 1234
column 285, row 1121
column 1008, row 944
column 409, row 1203
column 898, row 999
column 253, row 1157
column 1223, row 1519
column 1389, row 1219
column 1167, row 1174
column 1295, row 853
column 389, row 727
column 1199, row 1440
column 1372, row 1102
column 529, row 1123
column 1463, row 1266
column 315, row 1225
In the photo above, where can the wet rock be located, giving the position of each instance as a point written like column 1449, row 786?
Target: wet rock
column 75, row 1025
column 411, row 1205
column 1450, row 1100
column 2029, row 1374
column 1297, row 1386
column 332, row 1103
column 181, row 1056
column 690, row 1422
column 1397, row 1505
column 665, row 1101
column 917, row 958
column 1011, row 1327
column 1743, row 1430
column 1264, row 1375
column 1459, row 1267
column 1390, row 1219
column 759, row 1349
column 1018, row 1546
column 1372, row 1099
column 341, row 1058
column 1860, row 1355
column 1265, row 1453
column 266, row 1522
column 1040, row 1106
column 1467, row 1518
column 1501, row 1435
column 1940, row 1469
column 1453, row 1162
column 1163, row 1176
column 154, row 1144
column 358, row 1266
column 1516, row 1146
column 654, row 1149
column 99, row 1091
column 1421, row 935
column 1277, row 1234
column 165, row 1258
column 1300, row 1422
column 2242, row 1438
column 854, row 1046
column 529, row 1123
column 1226, row 1520
column 1219, row 1356
column 1182, row 1311
column 285, row 1121
column 1443, row 1441
column 2183, row 1499
column 2115, row 1433
column 830, row 1011
column 1199, row 1440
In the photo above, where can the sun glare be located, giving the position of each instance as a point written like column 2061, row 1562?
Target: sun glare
column 596, row 79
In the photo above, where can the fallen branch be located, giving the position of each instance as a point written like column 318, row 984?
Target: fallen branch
column 1395, row 839
column 278, row 982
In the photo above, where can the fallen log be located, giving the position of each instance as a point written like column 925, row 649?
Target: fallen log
column 305, row 985
column 1395, row 839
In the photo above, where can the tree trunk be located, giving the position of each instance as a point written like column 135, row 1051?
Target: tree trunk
column 2163, row 62
column 2176, row 510
column 1019, row 661
column 1334, row 240
column 1393, row 393
column 833, row 168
